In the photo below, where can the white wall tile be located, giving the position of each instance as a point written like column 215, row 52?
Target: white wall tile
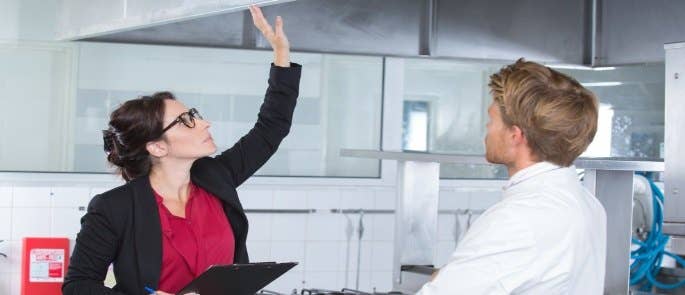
column 348, row 257
column 259, row 251
column 5, row 223
column 358, row 199
column 450, row 200
column 256, row 199
column 5, row 196
column 322, row 256
column 349, row 227
column 5, row 263
column 323, row 199
column 364, row 281
column 446, row 226
column 260, row 227
column 30, row 222
column 290, row 199
column 365, row 259
column 381, row 281
column 288, row 227
column 383, row 227
column 326, row 227
column 287, row 282
column 443, row 252
column 346, row 282
column 15, row 284
column 465, row 224
column 66, row 222
column 367, row 222
column 289, row 252
column 99, row 189
column 14, row 256
column 386, row 199
column 23, row 196
column 484, row 199
column 322, row 280
column 5, row 283
column 70, row 196
column 382, row 256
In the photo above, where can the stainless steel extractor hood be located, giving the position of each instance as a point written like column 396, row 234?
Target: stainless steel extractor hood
column 589, row 32
column 544, row 30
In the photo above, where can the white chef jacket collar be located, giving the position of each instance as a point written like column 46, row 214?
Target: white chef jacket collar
column 529, row 172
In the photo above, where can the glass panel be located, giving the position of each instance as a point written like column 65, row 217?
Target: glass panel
column 35, row 124
column 631, row 120
column 415, row 126
column 456, row 97
column 339, row 104
column 56, row 117
column 456, row 94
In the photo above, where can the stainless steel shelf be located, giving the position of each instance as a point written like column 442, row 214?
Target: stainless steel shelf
column 415, row 156
column 616, row 164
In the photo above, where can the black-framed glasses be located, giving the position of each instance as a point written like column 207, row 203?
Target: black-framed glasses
column 187, row 118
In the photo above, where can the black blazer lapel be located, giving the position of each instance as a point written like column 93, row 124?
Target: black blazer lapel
column 206, row 173
column 148, row 232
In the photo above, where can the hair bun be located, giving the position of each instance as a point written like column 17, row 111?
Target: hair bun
column 108, row 138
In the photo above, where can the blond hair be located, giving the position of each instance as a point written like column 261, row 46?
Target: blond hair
column 557, row 115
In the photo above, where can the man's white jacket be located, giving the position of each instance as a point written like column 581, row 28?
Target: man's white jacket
column 546, row 236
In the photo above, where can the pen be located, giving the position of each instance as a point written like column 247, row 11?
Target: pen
column 150, row 290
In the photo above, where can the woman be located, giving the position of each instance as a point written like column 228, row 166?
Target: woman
column 179, row 211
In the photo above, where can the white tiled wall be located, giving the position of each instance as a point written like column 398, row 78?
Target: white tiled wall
column 318, row 241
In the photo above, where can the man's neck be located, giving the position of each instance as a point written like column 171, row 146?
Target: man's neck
column 519, row 165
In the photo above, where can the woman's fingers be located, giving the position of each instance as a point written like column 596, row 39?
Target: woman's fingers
column 260, row 21
column 279, row 26
column 275, row 35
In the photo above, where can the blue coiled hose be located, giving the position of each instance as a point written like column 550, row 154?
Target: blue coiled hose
column 651, row 251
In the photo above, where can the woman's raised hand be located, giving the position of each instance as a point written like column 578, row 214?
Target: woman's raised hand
column 276, row 37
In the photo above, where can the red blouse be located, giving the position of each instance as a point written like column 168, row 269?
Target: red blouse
column 191, row 244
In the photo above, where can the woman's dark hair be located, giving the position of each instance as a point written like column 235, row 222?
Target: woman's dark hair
column 131, row 126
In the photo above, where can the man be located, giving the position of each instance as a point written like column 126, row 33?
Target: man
column 548, row 234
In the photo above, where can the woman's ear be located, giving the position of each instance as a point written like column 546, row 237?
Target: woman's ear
column 157, row 148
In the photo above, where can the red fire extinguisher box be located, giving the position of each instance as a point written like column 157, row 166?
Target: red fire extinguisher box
column 44, row 264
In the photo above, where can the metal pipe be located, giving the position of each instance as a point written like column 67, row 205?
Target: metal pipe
column 387, row 211
column 427, row 28
column 281, row 211
column 360, row 231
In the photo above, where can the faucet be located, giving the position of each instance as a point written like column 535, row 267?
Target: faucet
column 3, row 254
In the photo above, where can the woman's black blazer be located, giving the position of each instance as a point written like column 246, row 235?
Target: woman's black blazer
column 122, row 225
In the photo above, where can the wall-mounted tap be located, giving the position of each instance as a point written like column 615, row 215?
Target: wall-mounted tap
column 3, row 254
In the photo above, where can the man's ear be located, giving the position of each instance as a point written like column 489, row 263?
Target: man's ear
column 517, row 135
column 157, row 148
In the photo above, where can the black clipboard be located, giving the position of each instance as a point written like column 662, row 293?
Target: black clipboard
column 236, row 279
